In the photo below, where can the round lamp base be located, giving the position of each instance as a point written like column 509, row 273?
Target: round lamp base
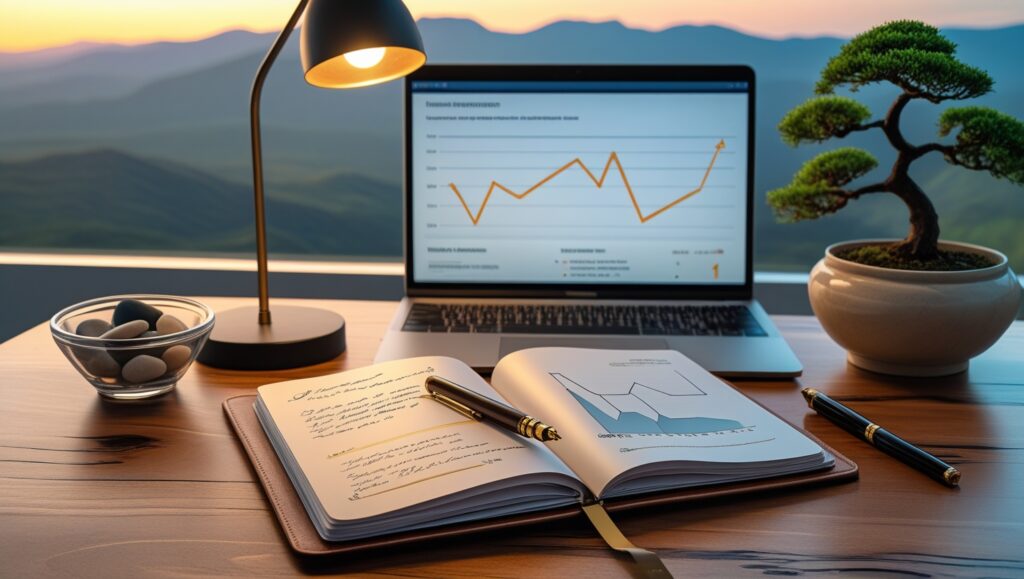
column 295, row 337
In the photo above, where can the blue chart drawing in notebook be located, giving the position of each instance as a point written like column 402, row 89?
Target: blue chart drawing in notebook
column 640, row 408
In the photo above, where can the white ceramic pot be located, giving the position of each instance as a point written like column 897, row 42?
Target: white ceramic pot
column 913, row 323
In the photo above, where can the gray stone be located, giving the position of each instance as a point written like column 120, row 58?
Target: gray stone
column 143, row 369
column 93, row 328
column 176, row 356
column 150, row 334
column 132, row 329
column 168, row 324
column 99, row 363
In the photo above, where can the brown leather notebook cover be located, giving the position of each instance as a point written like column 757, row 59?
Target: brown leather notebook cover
column 305, row 540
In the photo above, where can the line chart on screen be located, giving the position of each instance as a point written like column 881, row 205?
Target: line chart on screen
column 685, row 187
column 613, row 159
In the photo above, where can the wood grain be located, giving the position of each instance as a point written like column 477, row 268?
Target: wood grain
column 162, row 489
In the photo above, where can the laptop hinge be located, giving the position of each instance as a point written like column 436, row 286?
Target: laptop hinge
column 580, row 294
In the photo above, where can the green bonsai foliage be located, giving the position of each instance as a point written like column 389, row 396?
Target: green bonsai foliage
column 917, row 59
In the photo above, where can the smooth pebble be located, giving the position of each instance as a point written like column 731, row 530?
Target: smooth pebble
column 176, row 356
column 131, row 310
column 142, row 369
column 131, row 329
column 93, row 328
column 168, row 324
column 99, row 363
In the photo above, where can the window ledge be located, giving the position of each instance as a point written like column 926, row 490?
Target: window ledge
column 41, row 283
column 376, row 268
column 200, row 263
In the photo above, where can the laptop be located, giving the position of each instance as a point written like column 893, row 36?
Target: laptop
column 586, row 206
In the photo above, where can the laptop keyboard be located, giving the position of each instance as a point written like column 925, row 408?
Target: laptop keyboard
column 662, row 320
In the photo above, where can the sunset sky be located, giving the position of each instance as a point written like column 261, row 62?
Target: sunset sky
column 34, row 24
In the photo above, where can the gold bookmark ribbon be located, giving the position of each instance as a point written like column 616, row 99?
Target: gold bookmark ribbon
column 648, row 564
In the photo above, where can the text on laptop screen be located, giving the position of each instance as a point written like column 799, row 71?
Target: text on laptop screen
column 578, row 182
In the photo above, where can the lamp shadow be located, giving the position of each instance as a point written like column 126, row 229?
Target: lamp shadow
column 571, row 536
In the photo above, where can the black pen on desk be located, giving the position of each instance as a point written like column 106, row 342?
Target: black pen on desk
column 479, row 407
column 881, row 438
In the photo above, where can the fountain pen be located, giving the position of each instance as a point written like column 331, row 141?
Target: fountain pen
column 477, row 407
column 881, row 438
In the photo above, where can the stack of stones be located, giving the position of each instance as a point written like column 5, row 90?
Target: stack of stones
column 132, row 319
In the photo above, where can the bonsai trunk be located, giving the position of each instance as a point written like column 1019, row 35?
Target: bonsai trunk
column 922, row 241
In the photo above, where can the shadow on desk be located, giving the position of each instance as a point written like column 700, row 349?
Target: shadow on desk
column 576, row 540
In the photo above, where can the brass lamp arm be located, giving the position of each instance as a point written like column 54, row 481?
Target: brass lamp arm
column 257, row 159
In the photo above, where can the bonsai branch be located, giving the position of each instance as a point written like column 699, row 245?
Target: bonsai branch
column 844, row 196
column 948, row 151
column 891, row 125
column 932, row 97
column 840, row 133
column 873, row 188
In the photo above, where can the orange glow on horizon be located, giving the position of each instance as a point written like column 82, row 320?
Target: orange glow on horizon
column 26, row 26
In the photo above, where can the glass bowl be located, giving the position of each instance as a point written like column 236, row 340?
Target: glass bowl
column 107, row 363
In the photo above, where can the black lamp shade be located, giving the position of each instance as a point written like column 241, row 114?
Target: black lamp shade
column 334, row 28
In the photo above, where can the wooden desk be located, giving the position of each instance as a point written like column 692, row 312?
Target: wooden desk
column 162, row 489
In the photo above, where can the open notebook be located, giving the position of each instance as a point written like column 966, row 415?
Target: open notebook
column 369, row 454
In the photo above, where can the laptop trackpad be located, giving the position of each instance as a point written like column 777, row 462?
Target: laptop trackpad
column 509, row 345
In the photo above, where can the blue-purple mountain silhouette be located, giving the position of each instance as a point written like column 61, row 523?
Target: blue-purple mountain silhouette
column 185, row 103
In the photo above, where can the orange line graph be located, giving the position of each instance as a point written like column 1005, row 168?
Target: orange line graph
column 613, row 159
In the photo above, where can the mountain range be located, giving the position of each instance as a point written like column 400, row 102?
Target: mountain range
column 110, row 200
column 168, row 120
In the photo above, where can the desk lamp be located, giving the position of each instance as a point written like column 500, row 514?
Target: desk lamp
column 345, row 44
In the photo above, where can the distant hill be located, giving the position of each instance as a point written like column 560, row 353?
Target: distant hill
column 10, row 61
column 461, row 40
column 187, row 103
column 86, row 71
column 111, row 200
column 187, row 84
column 197, row 93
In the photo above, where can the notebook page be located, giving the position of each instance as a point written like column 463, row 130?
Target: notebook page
column 370, row 442
column 621, row 410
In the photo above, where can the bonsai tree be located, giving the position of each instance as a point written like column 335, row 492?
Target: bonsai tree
column 918, row 60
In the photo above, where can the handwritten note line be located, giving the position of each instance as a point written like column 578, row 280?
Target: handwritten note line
column 424, row 479
column 399, row 437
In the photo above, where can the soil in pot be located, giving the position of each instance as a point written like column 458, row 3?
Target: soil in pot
column 886, row 255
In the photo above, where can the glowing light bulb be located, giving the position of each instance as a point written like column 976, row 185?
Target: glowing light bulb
column 366, row 58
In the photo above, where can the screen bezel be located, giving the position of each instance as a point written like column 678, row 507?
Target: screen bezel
column 416, row 288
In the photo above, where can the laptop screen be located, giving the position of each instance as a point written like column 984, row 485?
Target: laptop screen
column 578, row 182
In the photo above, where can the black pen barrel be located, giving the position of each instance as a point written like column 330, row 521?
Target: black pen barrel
column 494, row 410
column 882, row 439
column 841, row 416
column 902, row 450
